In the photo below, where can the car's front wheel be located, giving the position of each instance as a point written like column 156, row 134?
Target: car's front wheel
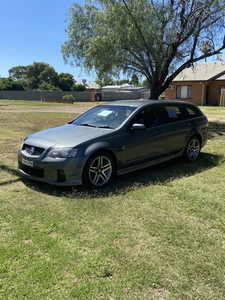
column 98, row 170
column 193, row 148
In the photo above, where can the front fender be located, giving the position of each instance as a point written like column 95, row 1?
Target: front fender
column 96, row 146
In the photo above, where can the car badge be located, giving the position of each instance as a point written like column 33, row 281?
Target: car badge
column 32, row 150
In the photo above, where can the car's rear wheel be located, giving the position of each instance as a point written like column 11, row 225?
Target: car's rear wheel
column 193, row 148
column 98, row 170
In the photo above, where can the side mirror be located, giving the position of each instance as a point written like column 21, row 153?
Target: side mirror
column 138, row 127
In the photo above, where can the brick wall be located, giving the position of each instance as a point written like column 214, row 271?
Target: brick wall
column 199, row 92
column 196, row 92
column 214, row 92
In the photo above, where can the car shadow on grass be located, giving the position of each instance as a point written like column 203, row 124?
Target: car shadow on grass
column 158, row 174
column 11, row 171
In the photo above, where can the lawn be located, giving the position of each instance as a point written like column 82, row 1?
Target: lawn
column 158, row 233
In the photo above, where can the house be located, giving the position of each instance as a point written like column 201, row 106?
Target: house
column 201, row 84
column 90, row 86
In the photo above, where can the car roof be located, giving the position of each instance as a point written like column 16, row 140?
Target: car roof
column 140, row 102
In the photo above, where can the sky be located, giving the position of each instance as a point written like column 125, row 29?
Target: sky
column 33, row 31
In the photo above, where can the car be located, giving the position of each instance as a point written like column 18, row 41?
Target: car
column 113, row 139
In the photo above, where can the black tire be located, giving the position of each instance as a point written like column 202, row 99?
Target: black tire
column 99, row 170
column 193, row 148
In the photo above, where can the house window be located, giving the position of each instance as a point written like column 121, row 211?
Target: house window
column 184, row 91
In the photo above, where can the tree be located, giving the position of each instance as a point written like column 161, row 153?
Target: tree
column 79, row 87
column 104, row 80
column 206, row 47
column 65, row 81
column 151, row 38
column 19, row 73
column 48, row 87
column 122, row 81
column 41, row 76
column 39, row 73
column 8, row 84
column 135, row 80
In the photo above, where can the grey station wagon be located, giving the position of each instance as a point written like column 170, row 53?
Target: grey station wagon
column 113, row 139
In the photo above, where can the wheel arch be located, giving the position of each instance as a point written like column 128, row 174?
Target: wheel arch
column 87, row 180
column 195, row 134
column 101, row 147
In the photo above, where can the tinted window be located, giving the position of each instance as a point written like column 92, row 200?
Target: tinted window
column 147, row 117
column 192, row 112
column 171, row 113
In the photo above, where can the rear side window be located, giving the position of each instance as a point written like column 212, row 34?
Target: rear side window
column 171, row 113
column 193, row 112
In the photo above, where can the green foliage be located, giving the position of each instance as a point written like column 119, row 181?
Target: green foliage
column 79, row 87
column 153, row 39
column 105, row 80
column 41, row 76
column 135, row 80
column 48, row 87
column 39, row 73
column 8, row 84
column 69, row 97
column 65, row 81
column 145, row 83
column 206, row 47
column 18, row 73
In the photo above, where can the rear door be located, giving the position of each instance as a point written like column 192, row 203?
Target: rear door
column 173, row 127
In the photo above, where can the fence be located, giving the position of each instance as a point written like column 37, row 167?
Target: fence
column 79, row 96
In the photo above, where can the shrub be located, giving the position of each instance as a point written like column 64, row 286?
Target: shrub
column 69, row 97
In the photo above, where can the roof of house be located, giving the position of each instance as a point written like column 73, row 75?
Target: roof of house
column 89, row 84
column 123, row 88
column 207, row 71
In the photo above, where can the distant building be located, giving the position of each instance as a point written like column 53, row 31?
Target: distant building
column 90, row 86
column 201, row 84
column 127, row 88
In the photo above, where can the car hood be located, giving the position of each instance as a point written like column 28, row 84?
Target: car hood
column 68, row 135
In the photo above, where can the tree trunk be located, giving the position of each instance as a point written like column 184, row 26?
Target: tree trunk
column 155, row 93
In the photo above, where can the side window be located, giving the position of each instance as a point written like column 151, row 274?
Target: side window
column 171, row 113
column 192, row 112
column 147, row 117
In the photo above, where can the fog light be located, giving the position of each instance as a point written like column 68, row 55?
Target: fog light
column 61, row 176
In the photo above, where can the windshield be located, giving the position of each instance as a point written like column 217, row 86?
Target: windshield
column 105, row 116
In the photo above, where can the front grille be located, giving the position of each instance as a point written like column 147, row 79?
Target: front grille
column 33, row 172
column 33, row 150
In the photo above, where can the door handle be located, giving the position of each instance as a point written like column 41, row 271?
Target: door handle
column 120, row 148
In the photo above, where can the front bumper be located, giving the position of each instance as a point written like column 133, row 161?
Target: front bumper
column 61, row 172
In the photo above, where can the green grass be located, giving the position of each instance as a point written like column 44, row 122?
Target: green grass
column 153, row 234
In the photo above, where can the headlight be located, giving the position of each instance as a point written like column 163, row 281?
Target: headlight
column 62, row 153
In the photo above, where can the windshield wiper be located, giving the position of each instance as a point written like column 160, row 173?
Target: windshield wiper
column 86, row 124
column 105, row 126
